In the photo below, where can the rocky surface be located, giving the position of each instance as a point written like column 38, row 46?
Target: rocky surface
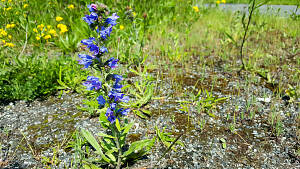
column 251, row 128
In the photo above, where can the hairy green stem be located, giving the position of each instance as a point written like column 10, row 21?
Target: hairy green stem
column 119, row 162
column 245, row 33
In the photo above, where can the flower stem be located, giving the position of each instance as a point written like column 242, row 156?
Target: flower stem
column 117, row 134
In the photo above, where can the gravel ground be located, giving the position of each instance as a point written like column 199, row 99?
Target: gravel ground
column 30, row 131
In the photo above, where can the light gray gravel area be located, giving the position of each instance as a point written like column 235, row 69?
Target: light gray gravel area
column 31, row 131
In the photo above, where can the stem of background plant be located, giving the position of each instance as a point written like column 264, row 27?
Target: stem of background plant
column 144, row 31
column 117, row 135
column 245, row 33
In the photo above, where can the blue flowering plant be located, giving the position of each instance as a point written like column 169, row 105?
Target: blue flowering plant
column 109, row 147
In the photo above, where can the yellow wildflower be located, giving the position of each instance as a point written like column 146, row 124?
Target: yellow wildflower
column 24, row 15
column 9, row 44
column 134, row 14
column 9, row 36
column 218, row 2
column 3, row 32
column 196, row 9
column 9, row 0
column 223, row 1
column 3, row 41
column 52, row 32
column 121, row 27
column 3, row 0
column 47, row 37
column 10, row 25
column 71, row 6
column 7, row 9
column 42, row 34
column 35, row 30
column 58, row 18
column 25, row 5
column 37, row 37
column 63, row 28
column 41, row 26
column 48, row 26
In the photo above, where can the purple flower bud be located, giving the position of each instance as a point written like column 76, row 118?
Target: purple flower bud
column 92, row 7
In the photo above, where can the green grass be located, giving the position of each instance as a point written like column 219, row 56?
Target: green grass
column 273, row 2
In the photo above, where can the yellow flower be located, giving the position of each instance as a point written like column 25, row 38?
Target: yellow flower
column 9, row 0
column 223, row 1
column 9, row 36
column 58, row 18
column 121, row 27
column 63, row 28
column 71, row 6
column 196, row 9
column 52, row 32
column 218, row 2
column 134, row 14
column 7, row 9
column 3, row 32
column 41, row 26
column 47, row 37
column 48, row 26
column 25, row 5
column 9, row 44
column 3, row 41
column 35, row 30
column 3, row 0
column 37, row 37
column 42, row 34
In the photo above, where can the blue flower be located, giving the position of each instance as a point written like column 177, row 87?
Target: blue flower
column 86, row 60
column 90, row 19
column 101, row 101
column 110, row 115
column 91, row 45
column 92, row 7
column 117, row 87
column 94, row 48
column 125, row 99
column 103, row 49
column 113, row 106
column 112, row 20
column 118, row 96
column 88, row 41
column 118, row 78
column 105, row 32
column 123, row 111
column 92, row 83
column 112, row 62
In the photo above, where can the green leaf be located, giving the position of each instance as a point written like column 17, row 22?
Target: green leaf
column 140, row 114
column 141, row 145
column 105, row 135
column 90, row 166
column 127, row 127
column 91, row 139
column 118, row 125
column 223, row 143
